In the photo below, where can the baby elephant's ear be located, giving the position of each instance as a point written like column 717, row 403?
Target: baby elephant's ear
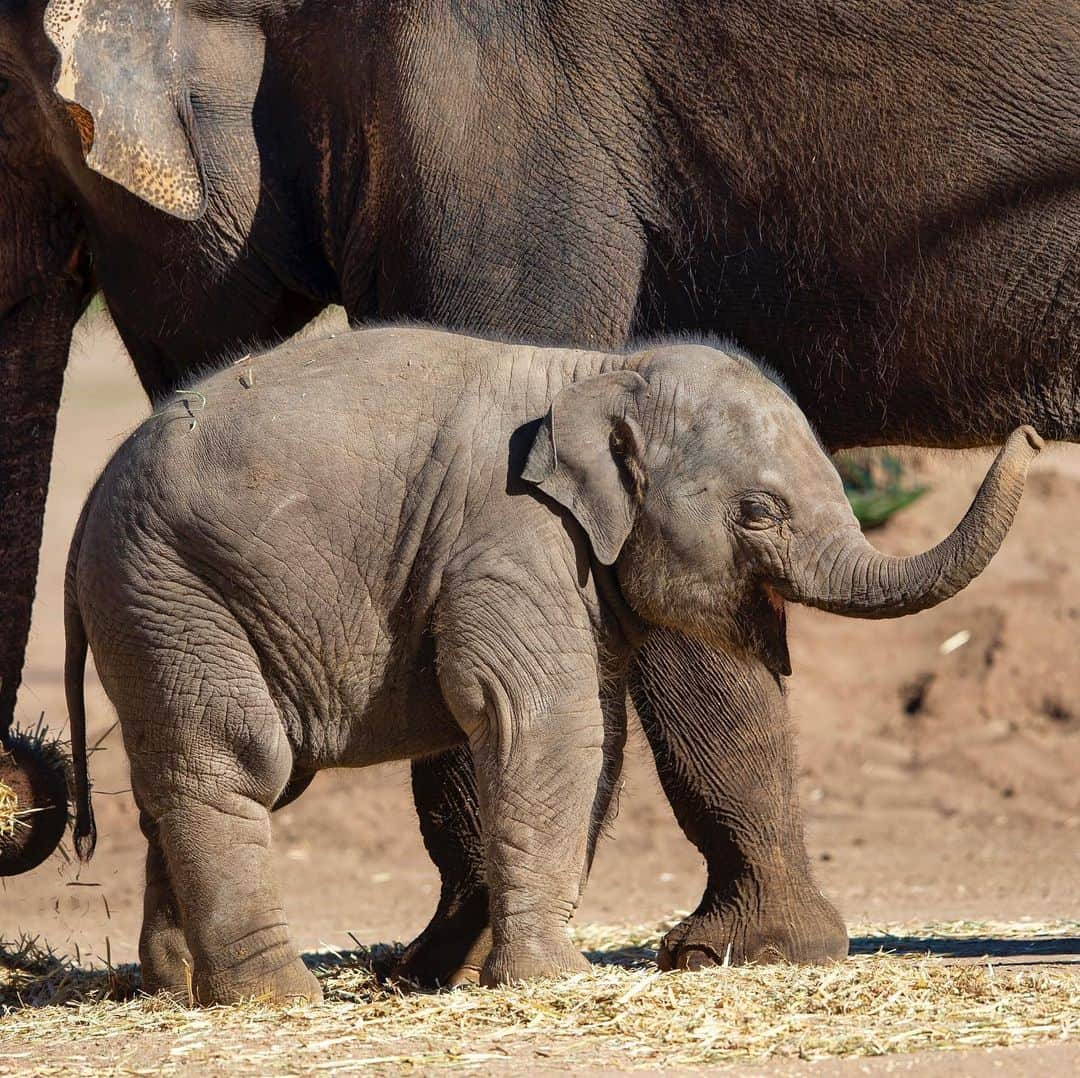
column 588, row 456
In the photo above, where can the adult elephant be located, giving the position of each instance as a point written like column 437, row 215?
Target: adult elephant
column 883, row 200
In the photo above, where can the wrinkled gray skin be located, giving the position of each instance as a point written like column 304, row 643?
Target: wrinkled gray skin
column 338, row 554
column 881, row 199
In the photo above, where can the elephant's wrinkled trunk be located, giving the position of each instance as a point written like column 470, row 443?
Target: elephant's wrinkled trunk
column 851, row 577
column 34, row 341
column 35, row 334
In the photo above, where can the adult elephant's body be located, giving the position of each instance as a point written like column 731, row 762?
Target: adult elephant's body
column 882, row 200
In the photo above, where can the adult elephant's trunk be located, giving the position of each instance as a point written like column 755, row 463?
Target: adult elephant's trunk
column 34, row 341
column 848, row 576
column 35, row 335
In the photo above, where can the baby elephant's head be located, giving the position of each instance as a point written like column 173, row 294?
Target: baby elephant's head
column 696, row 475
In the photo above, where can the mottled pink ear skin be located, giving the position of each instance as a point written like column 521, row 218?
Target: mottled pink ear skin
column 120, row 66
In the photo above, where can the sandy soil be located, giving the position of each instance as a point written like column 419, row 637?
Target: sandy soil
column 936, row 786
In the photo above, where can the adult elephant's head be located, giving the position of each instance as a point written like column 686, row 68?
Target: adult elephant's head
column 88, row 89
column 697, row 476
column 120, row 79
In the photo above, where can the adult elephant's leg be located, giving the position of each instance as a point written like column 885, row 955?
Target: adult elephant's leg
column 719, row 728
column 454, row 946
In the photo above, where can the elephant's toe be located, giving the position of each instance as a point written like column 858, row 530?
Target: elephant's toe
column 807, row 931
column 529, row 962
column 290, row 984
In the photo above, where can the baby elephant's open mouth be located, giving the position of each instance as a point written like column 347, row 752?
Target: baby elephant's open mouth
column 763, row 627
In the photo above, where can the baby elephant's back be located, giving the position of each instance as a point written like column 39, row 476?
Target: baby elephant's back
column 311, row 413
column 305, row 451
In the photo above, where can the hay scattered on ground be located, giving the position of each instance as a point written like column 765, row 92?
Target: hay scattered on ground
column 9, row 810
column 622, row 1013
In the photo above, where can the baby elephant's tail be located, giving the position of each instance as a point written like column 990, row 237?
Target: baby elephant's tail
column 74, row 674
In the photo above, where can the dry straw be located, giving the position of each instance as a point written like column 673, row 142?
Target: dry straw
column 34, row 783
column 9, row 811
column 621, row 1014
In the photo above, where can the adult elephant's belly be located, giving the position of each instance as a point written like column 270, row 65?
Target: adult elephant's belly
column 950, row 333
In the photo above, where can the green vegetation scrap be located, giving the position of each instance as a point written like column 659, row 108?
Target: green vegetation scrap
column 876, row 485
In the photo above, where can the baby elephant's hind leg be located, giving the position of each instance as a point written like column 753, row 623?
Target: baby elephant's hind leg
column 209, row 758
column 166, row 962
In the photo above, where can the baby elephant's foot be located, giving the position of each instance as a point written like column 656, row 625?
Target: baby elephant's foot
column 509, row 964
column 290, row 983
column 166, row 965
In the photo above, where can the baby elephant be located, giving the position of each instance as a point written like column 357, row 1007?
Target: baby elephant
column 386, row 543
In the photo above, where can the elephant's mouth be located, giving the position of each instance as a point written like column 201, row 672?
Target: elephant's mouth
column 764, row 625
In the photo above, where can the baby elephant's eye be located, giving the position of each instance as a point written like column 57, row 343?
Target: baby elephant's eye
column 756, row 514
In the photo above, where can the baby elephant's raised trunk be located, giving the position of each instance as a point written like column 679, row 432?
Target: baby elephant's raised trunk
column 848, row 576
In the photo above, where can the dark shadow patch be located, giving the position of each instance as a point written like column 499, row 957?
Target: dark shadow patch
column 1057, row 711
column 913, row 695
column 967, row 946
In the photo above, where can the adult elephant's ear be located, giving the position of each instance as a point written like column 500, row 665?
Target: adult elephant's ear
column 121, row 75
column 588, row 455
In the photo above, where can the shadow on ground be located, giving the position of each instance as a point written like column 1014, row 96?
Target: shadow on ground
column 1061, row 949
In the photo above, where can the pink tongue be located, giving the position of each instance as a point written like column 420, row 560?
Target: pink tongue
column 776, row 601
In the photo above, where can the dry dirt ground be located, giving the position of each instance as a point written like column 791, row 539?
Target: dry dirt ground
column 938, row 784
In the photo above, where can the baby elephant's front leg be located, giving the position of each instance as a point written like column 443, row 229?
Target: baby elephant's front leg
column 538, row 768
column 538, row 777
